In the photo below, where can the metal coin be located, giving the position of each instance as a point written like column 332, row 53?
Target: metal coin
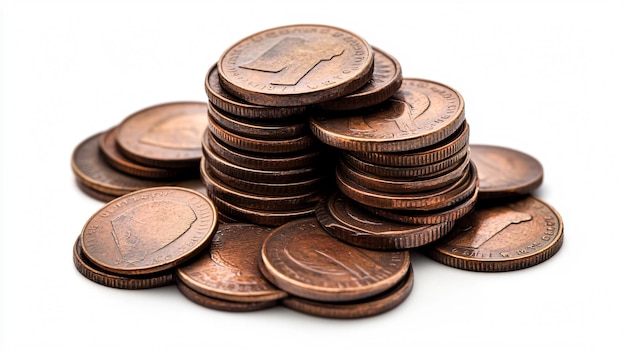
column 502, row 237
column 296, row 65
column 220, row 304
column 149, row 230
column 229, row 268
column 302, row 258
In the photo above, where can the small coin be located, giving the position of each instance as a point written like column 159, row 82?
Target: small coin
column 149, row 230
column 501, row 237
column 229, row 268
column 97, row 275
column 98, row 195
column 368, row 307
column 421, row 113
column 296, row 65
column 222, row 305
column 346, row 220
column 505, row 172
column 166, row 135
column 385, row 81
column 231, row 104
column 301, row 258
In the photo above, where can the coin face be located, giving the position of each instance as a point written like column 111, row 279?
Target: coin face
column 301, row 258
column 505, row 172
column 296, row 65
column 501, row 237
column 166, row 135
column 149, row 230
column 421, row 113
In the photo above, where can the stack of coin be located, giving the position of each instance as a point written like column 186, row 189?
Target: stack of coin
column 156, row 146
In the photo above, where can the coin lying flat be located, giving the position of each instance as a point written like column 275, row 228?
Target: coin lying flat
column 149, row 230
column 301, row 258
column 296, row 65
column 501, row 237
column 505, row 172
column 222, row 305
column 229, row 268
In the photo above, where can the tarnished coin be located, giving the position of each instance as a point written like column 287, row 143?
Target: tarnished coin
column 300, row 257
column 149, row 230
column 229, row 268
column 346, row 220
column 502, row 237
column 220, row 304
column 421, row 113
column 165, row 135
column 130, row 282
column 385, row 81
column 505, row 172
column 368, row 307
column 296, row 65
column 231, row 104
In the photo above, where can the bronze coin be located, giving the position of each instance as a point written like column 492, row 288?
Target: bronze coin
column 229, row 268
column 301, row 258
column 386, row 80
column 274, row 129
column 108, row 146
column 296, row 65
column 502, row 237
column 368, row 307
column 505, row 172
column 222, row 305
column 421, row 113
column 423, row 156
column 98, row 195
column 346, row 220
column 149, row 230
column 166, row 135
column 231, row 104
column 97, row 275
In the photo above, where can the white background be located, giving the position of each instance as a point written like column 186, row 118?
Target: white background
column 544, row 77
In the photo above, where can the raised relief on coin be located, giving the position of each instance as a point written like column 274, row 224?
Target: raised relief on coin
column 296, row 65
column 176, row 132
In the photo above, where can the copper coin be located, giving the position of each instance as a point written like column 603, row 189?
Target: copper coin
column 98, row 195
column 502, row 237
column 229, row 268
column 231, row 104
column 165, row 135
column 300, row 257
column 108, row 146
column 505, row 172
column 423, row 156
column 97, row 275
column 296, row 65
column 368, row 307
column 421, row 113
column 149, row 230
column 273, row 129
column 346, row 220
column 220, row 304
column 385, row 81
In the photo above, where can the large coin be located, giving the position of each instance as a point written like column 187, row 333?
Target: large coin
column 149, row 230
column 296, row 65
column 421, row 113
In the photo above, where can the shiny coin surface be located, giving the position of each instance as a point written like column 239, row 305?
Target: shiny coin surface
column 419, row 114
column 229, row 268
column 165, row 135
column 220, row 304
column 296, row 65
column 149, row 230
column 505, row 172
column 302, row 258
column 501, row 237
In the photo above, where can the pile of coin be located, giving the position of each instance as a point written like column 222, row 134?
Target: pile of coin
column 155, row 146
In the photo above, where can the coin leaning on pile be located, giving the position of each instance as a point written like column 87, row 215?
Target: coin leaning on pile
column 322, row 168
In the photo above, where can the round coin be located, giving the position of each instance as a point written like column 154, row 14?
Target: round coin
column 302, row 258
column 222, row 305
column 502, row 237
column 421, row 113
column 149, row 230
column 229, row 268
column 505, row 172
